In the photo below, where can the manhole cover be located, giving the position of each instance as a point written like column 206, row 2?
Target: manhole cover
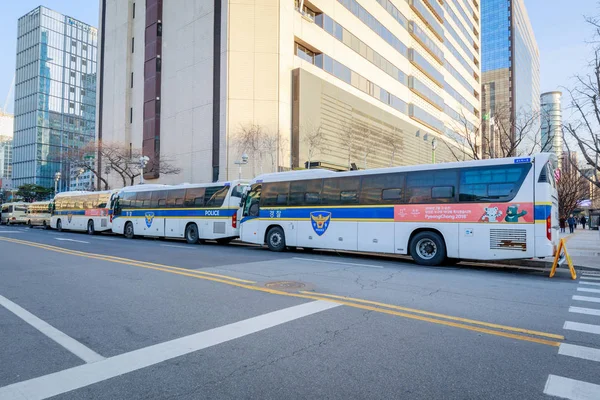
column 286, row 285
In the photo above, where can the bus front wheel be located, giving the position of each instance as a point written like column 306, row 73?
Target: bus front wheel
column 428, row 248
column 59, row 226
column 128, row 231
column 276, row 239
column 191, row 233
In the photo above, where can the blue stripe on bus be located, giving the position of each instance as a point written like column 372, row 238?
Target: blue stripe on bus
column 336, row 213
column 541, row 212
column 192, row 213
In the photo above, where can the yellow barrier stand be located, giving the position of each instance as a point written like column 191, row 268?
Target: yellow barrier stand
column 562, row 246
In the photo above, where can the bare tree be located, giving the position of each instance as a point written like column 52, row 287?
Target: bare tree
column 270, row 147
column 347, row 136
column 119, row 158
column 572, row 189
column 585, row 103
column 396, row 144
column 250, row 140
column 313, row 137
column 502, row 134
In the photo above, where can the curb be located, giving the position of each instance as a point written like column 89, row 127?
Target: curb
column 544, row 264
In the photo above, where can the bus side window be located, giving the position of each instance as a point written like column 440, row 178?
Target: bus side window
column 306, row 192
column 340, row 191
column 382, row 189
column 215, row 196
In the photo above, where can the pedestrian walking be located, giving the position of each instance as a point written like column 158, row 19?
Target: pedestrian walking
column 562, row 222
column 571, row 221
column 583, row 221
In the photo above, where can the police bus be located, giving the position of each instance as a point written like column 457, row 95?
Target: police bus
column 479, row 210
column 38, row 214
column 196, row 212
column 83, row 211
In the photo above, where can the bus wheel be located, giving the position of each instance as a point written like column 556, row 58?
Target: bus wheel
column 45, row 226
column 90, row 229
column 191, row 233
column 224, row 240
column 129, row 234
column 59, row 226
column 29, row 225
column 427, row 248
column 276, row 239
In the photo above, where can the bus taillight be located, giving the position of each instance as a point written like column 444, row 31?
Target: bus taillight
column 234, row 220
column 549, row 228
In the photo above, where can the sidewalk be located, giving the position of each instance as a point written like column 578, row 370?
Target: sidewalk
column 584, row 248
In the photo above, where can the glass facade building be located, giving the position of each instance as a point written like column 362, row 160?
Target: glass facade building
column 509, row 65
column 55, row 95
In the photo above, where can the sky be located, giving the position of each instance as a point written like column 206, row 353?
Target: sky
column 558, row 26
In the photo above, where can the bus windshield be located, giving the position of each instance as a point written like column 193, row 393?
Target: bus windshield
column 251, row 208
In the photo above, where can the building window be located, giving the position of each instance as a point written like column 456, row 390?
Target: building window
column 73, row 58
column 72, row 74
column 72, row 89
column 158, row 64
column 159, row 29
column 82, row 92
column 73, row 43
column 83, row 63
column 305, row 53
column 133, row 11
column 132, row 44
column 84, row 47
column 131, row 80
column 131, row 115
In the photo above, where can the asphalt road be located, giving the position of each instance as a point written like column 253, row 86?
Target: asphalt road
column 103, row 317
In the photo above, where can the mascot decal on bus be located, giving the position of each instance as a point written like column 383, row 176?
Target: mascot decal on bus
column 320, row 221
column 149, row 218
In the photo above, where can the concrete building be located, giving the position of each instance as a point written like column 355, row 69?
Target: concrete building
column 374, row 81
column 6, row 140
column 55, row 95
column 510, row 64
column 551, row 124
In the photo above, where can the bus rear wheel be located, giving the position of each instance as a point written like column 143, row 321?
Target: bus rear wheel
column 276, row 239
column 428, row 248
column 45, row 226
column 191, row 233
column 29, row 224
column 90, row 228
column 128, row 231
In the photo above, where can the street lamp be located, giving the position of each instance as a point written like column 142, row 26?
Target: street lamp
column 56, row 180
column 143, row 162
column 241, row 162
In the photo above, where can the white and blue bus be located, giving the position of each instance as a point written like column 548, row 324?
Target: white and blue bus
column 474, row 210
column 89, row 212
column 196, row 212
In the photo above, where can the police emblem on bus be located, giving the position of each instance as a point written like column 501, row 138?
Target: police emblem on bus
column 149, row 218
column 69, row 217
column 320, row 221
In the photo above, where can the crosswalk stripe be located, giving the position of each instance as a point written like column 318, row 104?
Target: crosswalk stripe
column 587, row 298
column 587, row 353
column 578, row 326
column 571, row 389
column 588, row 311
column 589, row 290
column 590, row 283
column 590, row 278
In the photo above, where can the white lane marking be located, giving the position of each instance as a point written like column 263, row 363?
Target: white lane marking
column 587, row 353
column 337, row 262
column 571, row 389
column 590, row 283
column 589, row 290
column 75, row 347
column 590, row 273
column 72, row 240
column 578, row 326
column 88, row 374
column 589, row 278
column 104, row 239
column 587, row 298
column 588, row 311
column 176, row 246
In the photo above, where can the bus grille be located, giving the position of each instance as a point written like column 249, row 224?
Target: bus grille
column 219, row 227
column 508, row 239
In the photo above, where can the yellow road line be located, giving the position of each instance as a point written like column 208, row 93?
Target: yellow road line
column 470, row 321
column 305, row 295
column 120, row 259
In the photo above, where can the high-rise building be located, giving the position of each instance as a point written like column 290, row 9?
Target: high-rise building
column 510, row 64
column 6, row 140
column 55, row 95
column 551, row 124
column 375, row 81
